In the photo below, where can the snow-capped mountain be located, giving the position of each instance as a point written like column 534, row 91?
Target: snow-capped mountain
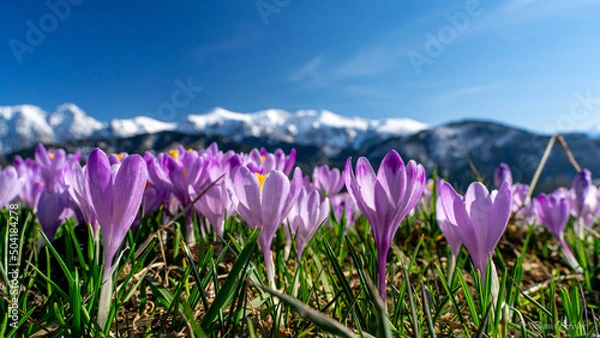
column 69, row 122
column 25, row 125
column 137, row 125
column 310, row 127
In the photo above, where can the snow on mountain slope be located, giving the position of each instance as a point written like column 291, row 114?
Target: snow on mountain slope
column 138, row 125
column 395, row 127
column 594, row 131
column 23, row 126
column 303, row 127
column 69, row 122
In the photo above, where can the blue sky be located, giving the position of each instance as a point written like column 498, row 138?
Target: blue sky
column 528, row 63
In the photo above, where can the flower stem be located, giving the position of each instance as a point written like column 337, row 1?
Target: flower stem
column 191, row 236
column 105, row 298
column 451, row 268
column 382, row 264
column 569, row 255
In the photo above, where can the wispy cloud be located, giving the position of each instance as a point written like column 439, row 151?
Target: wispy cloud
column 447, row 96
column 515, row 12
column 372, row 60
column 379, row 56
column 245, row 36
column 534, row 9
column 310, row 70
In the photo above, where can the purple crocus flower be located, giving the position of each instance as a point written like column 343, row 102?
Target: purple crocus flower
column 449, row 228
column 79, row 191
column 116, row 158
column 282, row 161
column 582, row 192
column 385, row 199
column 423, row 203
column 53, row 210
column 51, row 163
column 481, row 218
column 264, row 201
column 327, row 180
column 116, row 195
column 185, row 169
column 10, row 185
column 343, row 206
column 502, row 174
column 553, row 211
column 525, row 212
column 597, row 211
column 153, row 198
column 262, row 162
column 306, row 216
column 519, row 194
column 215, row 204
column 583, row 200
column 33, row 184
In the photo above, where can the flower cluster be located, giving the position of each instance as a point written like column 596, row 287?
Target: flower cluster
column 112, row 193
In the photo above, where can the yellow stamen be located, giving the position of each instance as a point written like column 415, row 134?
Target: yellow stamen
column 184, row 172
column 51, row 155
column 190, row 150
column 261, row 180
column 430, row 185
column 262, row 159
column 120, row 156
column 175, row 154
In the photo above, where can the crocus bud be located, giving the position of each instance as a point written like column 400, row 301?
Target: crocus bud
column 583, row 200
column 582, row 191
column 502, row 174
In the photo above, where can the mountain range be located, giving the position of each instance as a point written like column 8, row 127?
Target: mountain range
column 25, row 125
column 454, row 149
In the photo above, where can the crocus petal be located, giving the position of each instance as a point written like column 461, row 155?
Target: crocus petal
column 246, row 196
column 499, row 215
column 99, row 177
column 447, row 223
column 290, row 160
column 275, row 189
column 128, row 190
column 365, row 177
column 295, row 187
column 10, row 185
column 466, row 228
column 415, row 183
column 355, row 191
column 392, row 176
column 52, row 207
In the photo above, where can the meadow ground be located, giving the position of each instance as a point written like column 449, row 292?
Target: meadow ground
column 216, row 288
